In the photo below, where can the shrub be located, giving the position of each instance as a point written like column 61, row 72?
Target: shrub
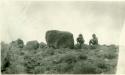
column 85, row 46
column 64, row 67
column 82, row 57
column 69, row 57
column 30, row 62
column 77, row 46
column 110, row 56
column 39, row 69
column 15, row 69
column 16, row 62
column 20, row 43
column 93, row 46
column 48, row 52
column 32, row 45
column 17, row 43
column 42, row 45
column 104, row 66
column 84, row 67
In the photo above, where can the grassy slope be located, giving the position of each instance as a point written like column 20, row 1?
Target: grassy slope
column 103, row 59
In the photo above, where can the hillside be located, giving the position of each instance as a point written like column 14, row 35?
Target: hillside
column 102, row 59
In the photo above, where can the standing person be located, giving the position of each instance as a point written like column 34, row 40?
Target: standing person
column 80, row 40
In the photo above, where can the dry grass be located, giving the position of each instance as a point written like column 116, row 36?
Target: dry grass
column 102, row 59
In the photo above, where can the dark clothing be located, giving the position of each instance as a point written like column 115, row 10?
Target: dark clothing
column 80, row 40
column 93, row 41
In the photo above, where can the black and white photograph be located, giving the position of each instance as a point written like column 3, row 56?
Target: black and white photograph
column 62, row 37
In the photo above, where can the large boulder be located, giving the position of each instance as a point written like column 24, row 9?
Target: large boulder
column 59, row 39
column 32, row 45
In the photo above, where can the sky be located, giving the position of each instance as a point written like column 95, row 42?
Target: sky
column 29, row 20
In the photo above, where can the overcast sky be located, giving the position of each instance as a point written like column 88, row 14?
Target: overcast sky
column 29, row 20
